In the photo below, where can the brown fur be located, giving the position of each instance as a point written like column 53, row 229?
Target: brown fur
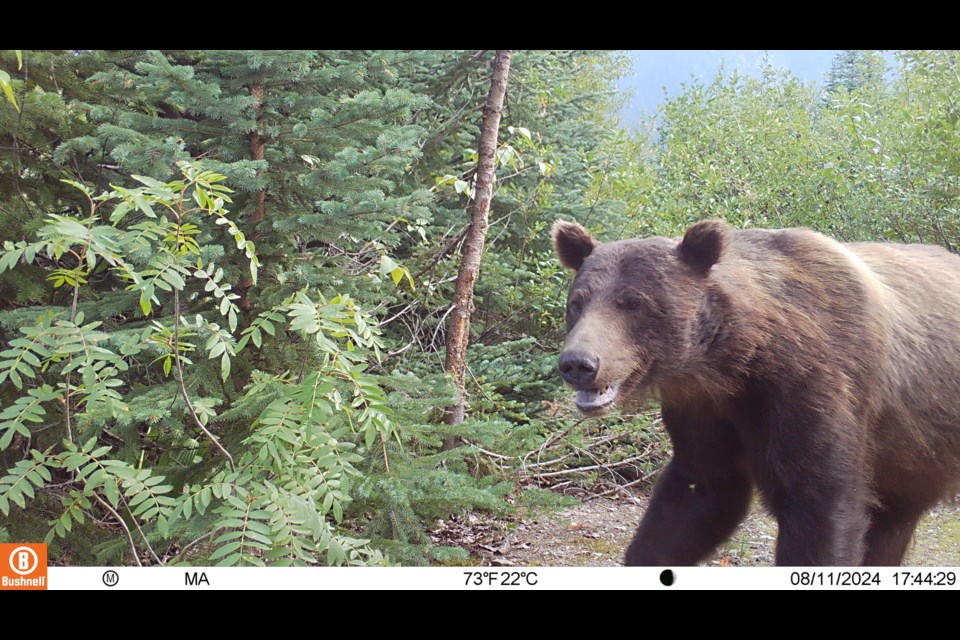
column 826, row 375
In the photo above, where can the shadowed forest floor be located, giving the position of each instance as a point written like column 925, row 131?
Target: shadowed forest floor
column 595, row 533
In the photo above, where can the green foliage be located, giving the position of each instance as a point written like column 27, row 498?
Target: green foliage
column 282, row 500
column 7, row 87
column 250, row 374
column 332, row 136
column 407, row 482
column 513, row 378
column 867, row 159
column 855, row 69
column 26, row 408
column 21, row 481
column 30, row 187
column 552, row 131
column 140, row 492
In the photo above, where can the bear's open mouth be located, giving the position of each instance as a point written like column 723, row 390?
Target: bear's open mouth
column 593, row 399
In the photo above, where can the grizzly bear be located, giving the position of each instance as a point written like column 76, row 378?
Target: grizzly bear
column 826, row 375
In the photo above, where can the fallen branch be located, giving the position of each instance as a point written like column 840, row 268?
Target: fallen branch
column 619, row 487
column 592, row 467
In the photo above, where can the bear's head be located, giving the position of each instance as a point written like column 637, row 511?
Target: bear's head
column 640, row 313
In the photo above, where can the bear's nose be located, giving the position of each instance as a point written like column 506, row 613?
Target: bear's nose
column 578, row 368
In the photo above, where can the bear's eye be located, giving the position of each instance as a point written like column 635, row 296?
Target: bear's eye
column 576, row 306
column 630, row 304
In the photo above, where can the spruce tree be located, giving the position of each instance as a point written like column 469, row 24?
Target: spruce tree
column 45, row 85
column 313, row 145
column 314, row 142
column 853, row 69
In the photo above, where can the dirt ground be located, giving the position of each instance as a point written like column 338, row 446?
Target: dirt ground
column 595, row 533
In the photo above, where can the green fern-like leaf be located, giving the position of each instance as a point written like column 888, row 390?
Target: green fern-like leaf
column 26, row 356
column 21, row 480
column 26, row 408
column 246, row 533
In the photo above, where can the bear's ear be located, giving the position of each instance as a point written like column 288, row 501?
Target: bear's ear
column 703, row 244
column 572, row 243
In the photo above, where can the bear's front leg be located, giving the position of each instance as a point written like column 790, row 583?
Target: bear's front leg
column 700, row 498
column 688, row 518
column 816, row 485
column 822, row 534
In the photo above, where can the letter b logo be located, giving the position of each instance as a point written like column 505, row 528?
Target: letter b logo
column 23, row 566
column 24, row 560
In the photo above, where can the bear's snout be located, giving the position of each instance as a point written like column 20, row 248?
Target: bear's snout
column 578, row 368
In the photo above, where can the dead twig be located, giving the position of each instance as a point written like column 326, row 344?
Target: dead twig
column 593, row 467
column 126, row 529
column 620, row 487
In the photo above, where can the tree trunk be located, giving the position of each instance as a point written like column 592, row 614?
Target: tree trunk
column 458, row 337
column 258, row 146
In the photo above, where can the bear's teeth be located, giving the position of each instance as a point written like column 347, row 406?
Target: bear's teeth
column 595, row 399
